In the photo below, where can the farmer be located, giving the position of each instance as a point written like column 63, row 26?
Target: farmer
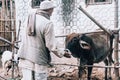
column 38, row 42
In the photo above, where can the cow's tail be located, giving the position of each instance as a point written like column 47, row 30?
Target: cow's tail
column 111, row 48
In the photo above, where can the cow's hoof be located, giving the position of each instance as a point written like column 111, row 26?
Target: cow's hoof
column 110, row 78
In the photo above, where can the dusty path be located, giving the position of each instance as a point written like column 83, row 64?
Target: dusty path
column 62, row 72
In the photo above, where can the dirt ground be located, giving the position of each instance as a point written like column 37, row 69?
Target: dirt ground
column 64, row 72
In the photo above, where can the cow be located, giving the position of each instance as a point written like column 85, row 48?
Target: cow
column 7, row 62
column 90, row 49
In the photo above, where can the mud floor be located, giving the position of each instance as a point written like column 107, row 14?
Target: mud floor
column 63, row 72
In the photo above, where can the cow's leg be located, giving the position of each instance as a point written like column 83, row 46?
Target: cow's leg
column 89, row 71
column 81, row 68
column 18, row 72
column 106, row 64
column 110, row 77
column 107, row 77
column 110, row 61
column 81, row 72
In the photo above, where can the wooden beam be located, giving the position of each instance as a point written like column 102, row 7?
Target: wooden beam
column 5, row 40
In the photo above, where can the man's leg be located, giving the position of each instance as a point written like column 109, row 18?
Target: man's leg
column 41, row 76
column 27, row 74
column 41, row 72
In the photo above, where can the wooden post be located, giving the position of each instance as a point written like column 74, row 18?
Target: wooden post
column 12, row 27
column 6, row 41
column 3, row 9
column 116, row 56
column 2, row 13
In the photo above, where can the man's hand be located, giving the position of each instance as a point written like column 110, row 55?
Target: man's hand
column 67, row 53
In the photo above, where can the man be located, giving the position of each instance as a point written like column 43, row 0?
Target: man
column 38, row 42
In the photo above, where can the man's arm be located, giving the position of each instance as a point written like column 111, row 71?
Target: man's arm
column 51, row 42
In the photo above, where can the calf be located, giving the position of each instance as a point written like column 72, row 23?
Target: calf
column 7, row 62
column 90, row 49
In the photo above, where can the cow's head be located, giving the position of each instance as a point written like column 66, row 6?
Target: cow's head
column 79, row 45
column 72, row 43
